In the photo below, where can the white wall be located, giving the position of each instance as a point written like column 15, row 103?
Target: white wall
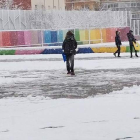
column 49, row 4
column 39, row 3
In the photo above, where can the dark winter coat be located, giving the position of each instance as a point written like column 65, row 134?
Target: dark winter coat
column 131, row 38
column 70, row 40
column 118, row 40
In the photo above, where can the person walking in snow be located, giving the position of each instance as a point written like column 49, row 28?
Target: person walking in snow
column 131, row 39
column 118, row 43
column 69, row 48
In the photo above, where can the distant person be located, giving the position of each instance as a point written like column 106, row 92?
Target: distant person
column 69, row 47
column 131, row 39
column 118, row 43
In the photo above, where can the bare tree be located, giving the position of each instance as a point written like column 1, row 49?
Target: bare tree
column 22, row 4
column 6, row 4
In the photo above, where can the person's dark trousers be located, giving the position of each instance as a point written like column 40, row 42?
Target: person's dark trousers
column 70, row 63
column 131, row 50
column 118, row 51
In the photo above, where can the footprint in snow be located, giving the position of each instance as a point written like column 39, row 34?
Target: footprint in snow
column 124, row 138
column 4, row 131
column 51, row 127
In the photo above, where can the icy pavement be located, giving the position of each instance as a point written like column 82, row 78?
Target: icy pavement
column 21, row 76
column 40, row 102
column 113, row 116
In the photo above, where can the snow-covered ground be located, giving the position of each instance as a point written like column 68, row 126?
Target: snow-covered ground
column 108, row 44
column 40, row 102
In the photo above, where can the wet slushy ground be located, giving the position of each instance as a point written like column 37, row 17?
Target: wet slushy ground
column 57, row 84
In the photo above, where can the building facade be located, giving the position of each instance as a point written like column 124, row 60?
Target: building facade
column 120, row 5
column 114, row 5
column 82, row 4
column 32, row 4
column 48, row 4
column 21, row 4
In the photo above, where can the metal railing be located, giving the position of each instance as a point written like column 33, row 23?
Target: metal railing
column 55, row 20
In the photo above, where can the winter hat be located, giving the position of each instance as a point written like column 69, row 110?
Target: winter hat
column 69, row 33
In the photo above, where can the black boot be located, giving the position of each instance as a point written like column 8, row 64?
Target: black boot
column 72, row 73
column 68, row 72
